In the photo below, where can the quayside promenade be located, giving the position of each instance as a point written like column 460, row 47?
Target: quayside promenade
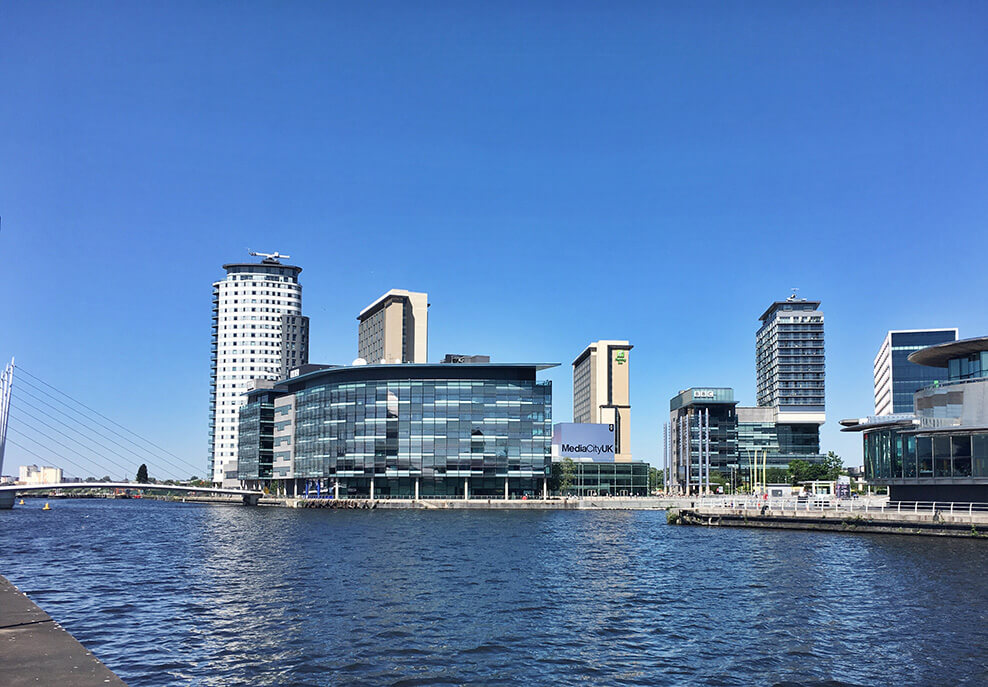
column 35, row 650
column 914, row 517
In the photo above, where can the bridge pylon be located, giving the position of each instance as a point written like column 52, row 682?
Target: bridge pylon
column 6, row 382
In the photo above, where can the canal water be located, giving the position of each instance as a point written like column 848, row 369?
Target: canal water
column 180, row 594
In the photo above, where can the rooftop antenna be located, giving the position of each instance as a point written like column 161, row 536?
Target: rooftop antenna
column 269, row 257
column 793, row 297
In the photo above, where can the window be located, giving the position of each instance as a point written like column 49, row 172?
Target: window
column 960, row 450
column 941, row 456
column 979, row 452
column 924, row 456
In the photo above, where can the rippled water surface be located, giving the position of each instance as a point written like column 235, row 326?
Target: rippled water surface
column 182, row 594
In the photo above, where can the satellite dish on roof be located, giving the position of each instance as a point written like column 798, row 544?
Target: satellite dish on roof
column 359, row 361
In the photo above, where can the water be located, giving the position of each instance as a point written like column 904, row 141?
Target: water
column 178, row 594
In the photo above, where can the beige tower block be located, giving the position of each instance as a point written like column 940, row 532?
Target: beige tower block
column 602, row 391
column 395, row 328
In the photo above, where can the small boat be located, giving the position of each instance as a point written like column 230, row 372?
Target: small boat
column 47, row 507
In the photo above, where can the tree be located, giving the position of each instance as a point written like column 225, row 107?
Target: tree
column 717, row 479
column 142, row 474
column 566, row 472
column 655, row 479
column 776, row 475
column 833, row 465
column 802, row 471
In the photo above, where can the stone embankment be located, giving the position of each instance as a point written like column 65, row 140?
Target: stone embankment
column 554, row 503
column 930, row 523
column 35, row 650
column 332, row 504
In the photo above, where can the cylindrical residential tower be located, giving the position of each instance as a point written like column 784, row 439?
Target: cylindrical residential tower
column 259, row 332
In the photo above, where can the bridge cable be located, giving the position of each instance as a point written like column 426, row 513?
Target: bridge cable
column 22, row 401
column 54, row 429
column 21, row 392
column 25, row 448
column 116, row 424
column 97, row 413
column 54, row 453
column 101, row 424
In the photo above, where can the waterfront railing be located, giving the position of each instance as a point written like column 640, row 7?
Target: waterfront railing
column 819, row 504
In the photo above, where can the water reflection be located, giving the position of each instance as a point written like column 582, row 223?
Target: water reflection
column 191, row 594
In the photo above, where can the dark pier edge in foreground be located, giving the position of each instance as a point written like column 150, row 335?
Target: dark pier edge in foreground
column 873, row 523
column 35, row 650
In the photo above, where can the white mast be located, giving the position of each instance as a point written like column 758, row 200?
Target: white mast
column 6, row 382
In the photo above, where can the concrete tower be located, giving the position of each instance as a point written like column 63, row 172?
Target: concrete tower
column 601, row 391
column 395, row 328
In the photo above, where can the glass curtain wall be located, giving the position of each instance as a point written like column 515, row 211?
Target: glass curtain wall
column 891, row 455
column 439, row 431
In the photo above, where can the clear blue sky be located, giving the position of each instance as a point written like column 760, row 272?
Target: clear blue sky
column 551, row 173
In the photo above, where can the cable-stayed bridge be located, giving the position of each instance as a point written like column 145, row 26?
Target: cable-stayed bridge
column 60, row 430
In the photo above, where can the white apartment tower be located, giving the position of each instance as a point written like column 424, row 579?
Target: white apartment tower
column 395, row 328
column 259, row 332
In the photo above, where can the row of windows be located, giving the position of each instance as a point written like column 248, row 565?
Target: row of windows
column 430, row 426
column 244, row 318
column 890, row 455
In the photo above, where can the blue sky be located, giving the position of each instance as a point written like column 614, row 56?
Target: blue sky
column 551, row 173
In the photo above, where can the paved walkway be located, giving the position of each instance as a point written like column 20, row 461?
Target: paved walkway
column 35, row 650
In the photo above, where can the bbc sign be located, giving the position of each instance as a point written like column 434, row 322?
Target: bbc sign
column 583, row 443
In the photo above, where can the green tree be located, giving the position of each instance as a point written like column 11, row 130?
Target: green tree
column 142, row 474
column 719, row 479
column 655, row 479
column 833, row 466
column 776, row 475
column 567, row 471
column 801, row 471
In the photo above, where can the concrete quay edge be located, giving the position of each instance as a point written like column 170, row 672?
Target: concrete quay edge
column 928, row 524
column 610, row 503
column 35, row 650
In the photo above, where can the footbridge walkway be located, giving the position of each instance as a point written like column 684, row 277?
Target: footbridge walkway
column 8, row 493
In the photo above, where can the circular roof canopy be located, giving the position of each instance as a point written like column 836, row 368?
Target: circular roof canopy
column 939, row 355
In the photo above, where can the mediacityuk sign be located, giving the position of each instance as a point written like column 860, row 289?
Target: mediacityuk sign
column 585, row 443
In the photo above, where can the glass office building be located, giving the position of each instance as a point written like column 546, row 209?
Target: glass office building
column 691, row 414
column 769, row 441
column 609, row 479
column 401, row 430
column 740, row 437
column 897, row 379
column 939, row 452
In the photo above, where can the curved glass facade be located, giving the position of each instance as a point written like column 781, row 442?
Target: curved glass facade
column 890, row 454
column 471, row 430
